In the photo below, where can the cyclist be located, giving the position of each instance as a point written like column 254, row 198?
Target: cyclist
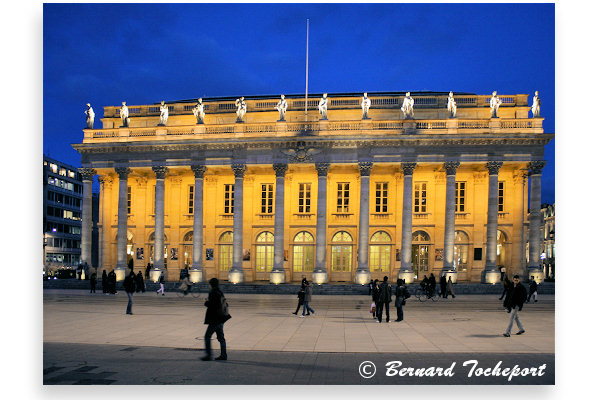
column 185, row 285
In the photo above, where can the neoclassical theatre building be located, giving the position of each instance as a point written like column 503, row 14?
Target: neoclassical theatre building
column 333, row 188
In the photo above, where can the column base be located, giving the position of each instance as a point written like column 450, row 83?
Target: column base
column 450, row 273
column 537, row 273
column 120, row 272
column 362, row 277
column 407, row 275
column 319, row 277
column 277, row 277
column 492, row 277
column 236, row 276
column 155, row 274
column 196, row 275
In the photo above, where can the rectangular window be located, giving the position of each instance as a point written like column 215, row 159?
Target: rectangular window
column 381, row 197
column 304, row 198
column 62, row 172
column 500, row 196
column 266, row 205
column 191, row 199
column 128, row 200
column 343, row 196
column 54, row 167
column 460, row 197
column 229, row 199
column 420, row 197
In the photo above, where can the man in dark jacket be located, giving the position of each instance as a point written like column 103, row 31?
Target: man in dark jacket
column 375, row 297
column 129, row 286
column 385, row 297
column 216, row 315
column 532, row 290
column 300, row 298
column 515, row 299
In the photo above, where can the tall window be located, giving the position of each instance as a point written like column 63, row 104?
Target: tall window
column 461, row 250
column 228, row 199
column 191, row 199
column 501, row 196
column 460, row 197
column 420, row 197
column 128, row 199
column 304, row 252
column 225, row 251
column 343, row 196
column 380, row 252
column 304, row 198
column 420, row 252
column 188, row 248
column 266, row 198
column 264, row 252
column 381, row 197
column 341, row 252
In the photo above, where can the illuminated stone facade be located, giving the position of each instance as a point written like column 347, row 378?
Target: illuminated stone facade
column 344, row 199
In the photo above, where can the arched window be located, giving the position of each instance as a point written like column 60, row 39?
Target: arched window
column 151, row 247
column 501, row 241
column 188, row 237
column 188, row 248
column 130, row 248
column 380, row 252
column 341, row 252
column 225, row 251
column 304, row 252
column 420, row 252
column 461, row 250
column 264, row 252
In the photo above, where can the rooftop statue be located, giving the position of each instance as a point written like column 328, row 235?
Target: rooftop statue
column 89, row 116
column 199, row 112
column 495, row 104
column 408, row 106
column 164, row 114
column 323, row 106
column 241, row 109
column 535, row 108
column 451, row 105
column 365, row 105
column 124, row 113
column 282, row 108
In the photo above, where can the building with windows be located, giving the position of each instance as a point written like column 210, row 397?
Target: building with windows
column 344, row 199
column 548, row 253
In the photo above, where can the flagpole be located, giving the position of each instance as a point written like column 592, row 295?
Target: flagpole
column 306, row 89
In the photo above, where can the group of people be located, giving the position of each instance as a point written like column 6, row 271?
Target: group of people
column 304, row 298
column 381, row 293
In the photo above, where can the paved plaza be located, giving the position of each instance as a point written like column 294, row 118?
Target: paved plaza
column 88, row 339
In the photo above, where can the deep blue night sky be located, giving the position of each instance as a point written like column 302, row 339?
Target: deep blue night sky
column 144, row 53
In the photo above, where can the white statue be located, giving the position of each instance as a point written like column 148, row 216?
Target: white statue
column 282, row 108
column 365, row 104
column 495, row 104
column 451, row 105
column 90, row 116
column 199, row 112
column 535, row 108
column 323, row 106
column 124, row 113
column 241, row 109
column 164, row 114
column 408, row 106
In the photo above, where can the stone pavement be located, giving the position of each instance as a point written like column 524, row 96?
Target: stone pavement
column 80, row 327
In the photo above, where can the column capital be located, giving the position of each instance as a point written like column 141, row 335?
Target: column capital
column 199, row 170
column 493, row 167
column 105, row 180
column 280, row 169
column 322, row 168
column 87, row 173
column 238, row 170
column 451, row 167
column 160, row 171
column 365, row 168
column 123, row 172
column 409, row 167
column 535, row 167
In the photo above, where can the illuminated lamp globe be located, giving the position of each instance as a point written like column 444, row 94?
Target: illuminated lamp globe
column 492, row 277
column 362, row 277
column 319, row 277
column 277, row 277
column 236, row 277
column 155, row 274
column 195, row 275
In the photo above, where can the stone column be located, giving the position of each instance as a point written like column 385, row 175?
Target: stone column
column 236, row 274
column 448, row 268
column 86, row 216
column 535, row 221
column 362, row 272
column 278, row 274
column 122, row 224
column 196, row 273
column 159, row 220
column 521, row 267
column 406, row 271
column 491, row 273
column 320, row 272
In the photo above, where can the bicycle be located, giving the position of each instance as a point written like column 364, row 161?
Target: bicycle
column 422, row 295
column 193, row 290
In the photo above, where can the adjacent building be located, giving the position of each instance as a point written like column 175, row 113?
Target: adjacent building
column 342, row 196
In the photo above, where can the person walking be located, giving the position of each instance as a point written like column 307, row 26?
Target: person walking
column 371, row 287
column 307, row 299
column 129, row 286
column 161, row 282
column 375, row 297
column 217, row 313
column 148, row 268
column 104, row 282
column 139, row 283
column 506, row 284
column 112, row 282
column 450, row 288
column 515, row 300
column 443, row 286
column 402, row 294
column 300, row 299
column 385, row 297
column 93, row 283
column 432, row 285
column 532, row 290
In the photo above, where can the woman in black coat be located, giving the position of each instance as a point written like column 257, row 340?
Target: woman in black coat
column 104, row 282
column 216, row 315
